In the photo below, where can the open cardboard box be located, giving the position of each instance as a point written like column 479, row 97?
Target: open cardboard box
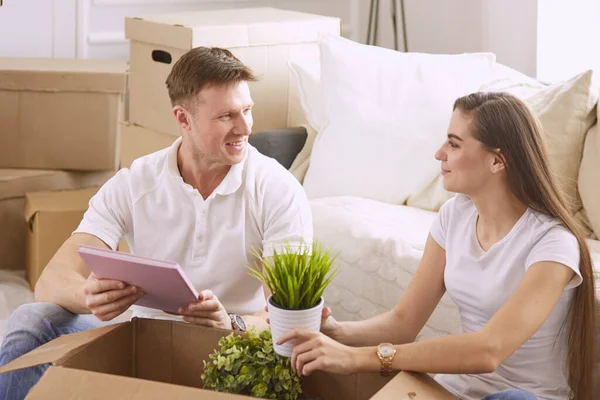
column 156, row 359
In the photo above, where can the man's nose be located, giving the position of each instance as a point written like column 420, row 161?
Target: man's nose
column 243, row 126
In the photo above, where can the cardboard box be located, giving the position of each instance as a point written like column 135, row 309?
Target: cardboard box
column 411, row 385
column 14, row 183
column 265, row 39
column 137, row 141
column 51, row 218
column 123, row 246
column 60, row 113
column 154, row 359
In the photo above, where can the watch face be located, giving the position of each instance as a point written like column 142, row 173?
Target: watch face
column 240, row 323
column 386, row 350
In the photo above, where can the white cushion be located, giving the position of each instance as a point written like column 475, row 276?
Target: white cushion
column 302, row 160
column 305, row 77
column 566, row 111
column 386, row 113
column 305, row 82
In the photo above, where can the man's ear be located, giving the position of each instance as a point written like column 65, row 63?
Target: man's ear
column 182, row 117
column 499, row 161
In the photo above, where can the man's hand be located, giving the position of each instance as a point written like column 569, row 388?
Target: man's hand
column 107, row 299
column 207, row 311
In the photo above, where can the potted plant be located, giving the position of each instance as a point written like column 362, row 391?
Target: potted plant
column 297, row 278
column 246, row 364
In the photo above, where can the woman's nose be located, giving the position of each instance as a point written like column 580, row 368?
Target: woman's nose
column 440, row 155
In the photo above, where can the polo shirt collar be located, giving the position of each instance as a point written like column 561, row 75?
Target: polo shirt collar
column 231, row 182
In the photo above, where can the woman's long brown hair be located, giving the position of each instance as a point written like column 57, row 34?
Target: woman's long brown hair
column 502, row 122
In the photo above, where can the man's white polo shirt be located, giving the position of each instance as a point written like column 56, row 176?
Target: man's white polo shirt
column 259, row 205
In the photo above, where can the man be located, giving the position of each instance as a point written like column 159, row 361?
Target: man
column 206, row 202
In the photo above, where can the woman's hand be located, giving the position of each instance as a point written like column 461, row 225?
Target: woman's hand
column 329, row 325
column 314, row 351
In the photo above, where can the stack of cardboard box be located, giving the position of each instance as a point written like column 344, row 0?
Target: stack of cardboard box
column 265, row 39
column 59, row 123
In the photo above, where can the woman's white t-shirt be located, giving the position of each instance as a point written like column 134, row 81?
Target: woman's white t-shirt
column 480, row 282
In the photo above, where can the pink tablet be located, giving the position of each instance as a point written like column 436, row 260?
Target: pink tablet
column 165, row 284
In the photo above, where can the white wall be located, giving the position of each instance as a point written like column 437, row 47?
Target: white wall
column 504, row 27
column 510, row 31
column 568, row 39
column 94, row 28
column 550, row 39
column 26, row 30
column 433, row 26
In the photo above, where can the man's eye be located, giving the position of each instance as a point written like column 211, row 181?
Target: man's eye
column 225, row 116
column 247, row 110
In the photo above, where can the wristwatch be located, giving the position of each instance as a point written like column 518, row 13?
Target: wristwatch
column 386, row 353
column 237, row 323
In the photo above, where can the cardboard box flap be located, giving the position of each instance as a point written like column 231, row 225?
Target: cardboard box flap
column 410, row 385
column 58, row 349
column 56, row 74
column 167, row 35
column 72, row 200
column 83, row 384
column 230, row 28
column 15, row 183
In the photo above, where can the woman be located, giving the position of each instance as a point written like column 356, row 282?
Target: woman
column 510, row 256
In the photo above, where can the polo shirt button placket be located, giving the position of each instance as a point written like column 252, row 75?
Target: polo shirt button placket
column 201, row 224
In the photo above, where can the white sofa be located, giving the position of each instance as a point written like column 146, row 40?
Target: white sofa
column 379, row 244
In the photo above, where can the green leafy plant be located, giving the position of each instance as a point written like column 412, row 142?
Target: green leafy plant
column 248, row 365
column 297, row 277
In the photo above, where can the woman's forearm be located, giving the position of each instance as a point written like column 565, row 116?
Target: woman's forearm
column 469, row 353
column 386, row 327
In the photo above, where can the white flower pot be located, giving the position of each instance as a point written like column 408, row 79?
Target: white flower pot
column 283, row 320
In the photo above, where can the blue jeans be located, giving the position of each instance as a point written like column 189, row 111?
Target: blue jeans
column 29, row 327
column 511, row 394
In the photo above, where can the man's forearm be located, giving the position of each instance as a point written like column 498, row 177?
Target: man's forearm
column 65, row 275
column 258, row 321
column 62, row 287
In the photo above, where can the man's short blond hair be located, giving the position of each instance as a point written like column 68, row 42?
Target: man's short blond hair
column 201, row 67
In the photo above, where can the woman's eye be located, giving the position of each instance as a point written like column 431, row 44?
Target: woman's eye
column 452, row 144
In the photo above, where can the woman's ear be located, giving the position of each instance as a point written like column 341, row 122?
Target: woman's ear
column 499, row 161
